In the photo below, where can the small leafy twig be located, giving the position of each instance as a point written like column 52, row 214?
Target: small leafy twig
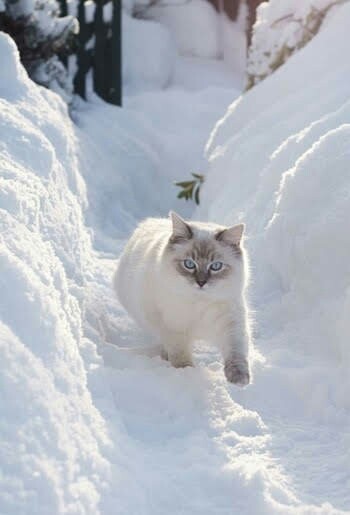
column 190, row 189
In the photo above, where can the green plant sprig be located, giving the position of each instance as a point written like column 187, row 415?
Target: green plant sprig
column 190, row 189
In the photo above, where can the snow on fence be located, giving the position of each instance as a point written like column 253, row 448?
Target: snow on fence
column 99, row 48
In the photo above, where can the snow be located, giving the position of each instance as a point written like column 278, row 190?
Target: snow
column 199, row 31
column 192, row 73
column 194, row 24
column 90, row 8
column 281, row 29
column 148, row 54
column 88, row 423
column 53, row 438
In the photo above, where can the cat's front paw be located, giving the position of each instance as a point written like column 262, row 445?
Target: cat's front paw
column 237, row 373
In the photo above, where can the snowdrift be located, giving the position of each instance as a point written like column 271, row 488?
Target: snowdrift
column 53, row 439
column 279, row 161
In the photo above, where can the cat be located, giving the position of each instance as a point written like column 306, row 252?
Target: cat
column 185, row 281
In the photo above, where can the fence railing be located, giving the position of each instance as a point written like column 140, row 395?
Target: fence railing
column 99, row 48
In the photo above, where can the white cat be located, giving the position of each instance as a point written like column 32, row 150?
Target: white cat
column 185, row 281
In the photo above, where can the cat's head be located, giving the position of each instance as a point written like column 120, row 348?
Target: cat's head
column 207, row 256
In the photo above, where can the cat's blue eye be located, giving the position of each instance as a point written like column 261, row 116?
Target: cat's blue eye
column 216, row 266
column 189, row 264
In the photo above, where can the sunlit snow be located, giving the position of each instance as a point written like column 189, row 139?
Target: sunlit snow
column 90, row 426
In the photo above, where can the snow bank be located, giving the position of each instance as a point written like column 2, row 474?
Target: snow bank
column 279, row 161
column 53, row 439
column 282, row 152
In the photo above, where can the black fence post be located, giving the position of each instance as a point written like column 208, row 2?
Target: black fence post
column 101, row 63
column 2, row 17
column 63, row 7
column 115, row 90
column 64, row 12
column 83, row 58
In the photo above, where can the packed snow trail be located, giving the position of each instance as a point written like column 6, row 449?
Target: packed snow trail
column 90, row 427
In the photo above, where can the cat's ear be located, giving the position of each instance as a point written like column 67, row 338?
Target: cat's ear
column 181, row 230
column 231, row 235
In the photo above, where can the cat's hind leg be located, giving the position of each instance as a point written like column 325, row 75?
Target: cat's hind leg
column 178, row 349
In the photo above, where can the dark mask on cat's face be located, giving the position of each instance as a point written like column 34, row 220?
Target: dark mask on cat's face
column 203, row 255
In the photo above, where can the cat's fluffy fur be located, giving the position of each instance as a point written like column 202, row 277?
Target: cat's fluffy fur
column 179, row 306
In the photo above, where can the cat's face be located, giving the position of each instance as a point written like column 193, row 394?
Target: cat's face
column 207, row 257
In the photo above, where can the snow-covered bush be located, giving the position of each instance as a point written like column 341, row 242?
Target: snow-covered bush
column 282, row 28
column 41, row 36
